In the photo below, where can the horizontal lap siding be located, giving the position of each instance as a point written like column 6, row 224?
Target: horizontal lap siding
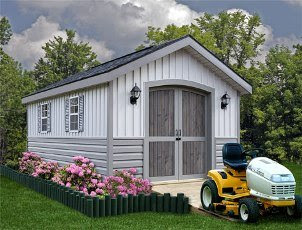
column 95, row 115
column 128, row 120
column 63, row 149
column 219, row 144
column 128, row 153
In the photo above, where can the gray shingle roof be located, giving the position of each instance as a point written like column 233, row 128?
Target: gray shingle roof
column 108, row 66
column 118, row 62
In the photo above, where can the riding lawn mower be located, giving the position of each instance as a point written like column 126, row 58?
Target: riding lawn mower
column 251, row 188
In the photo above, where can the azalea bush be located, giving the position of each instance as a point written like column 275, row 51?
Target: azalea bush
column 28, row 162
column 46, row 170
column 124, row 182
column 80, row 175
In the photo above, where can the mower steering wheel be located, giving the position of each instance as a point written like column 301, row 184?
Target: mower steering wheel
column 253, row 152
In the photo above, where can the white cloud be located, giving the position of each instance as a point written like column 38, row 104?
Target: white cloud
column 117, row 24
column 25, row 47
column 122, row 23
column 294, row 2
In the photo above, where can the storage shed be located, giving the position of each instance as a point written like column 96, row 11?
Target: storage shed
column 165, row 110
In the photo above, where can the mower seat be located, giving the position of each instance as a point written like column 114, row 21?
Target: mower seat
column 233, row 156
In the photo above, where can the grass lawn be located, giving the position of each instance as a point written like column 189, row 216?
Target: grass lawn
column 22, row 208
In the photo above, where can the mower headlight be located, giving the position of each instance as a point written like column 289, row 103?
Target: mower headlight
column 282, row 178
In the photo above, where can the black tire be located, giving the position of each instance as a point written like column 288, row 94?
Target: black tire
column 248, row 210
column 295, row 211
column 215, row 198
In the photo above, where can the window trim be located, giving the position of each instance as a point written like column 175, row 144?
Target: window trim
column 70, row 130
column 45, row 103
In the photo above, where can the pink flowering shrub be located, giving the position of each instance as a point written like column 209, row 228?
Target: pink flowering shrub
column 29, row 162
column 124, row 182
column 46, row 170
column 80, row 175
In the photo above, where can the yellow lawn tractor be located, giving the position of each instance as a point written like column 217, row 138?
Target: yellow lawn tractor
column 249, row 189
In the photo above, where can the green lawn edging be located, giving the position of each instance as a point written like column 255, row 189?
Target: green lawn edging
column 95, row 207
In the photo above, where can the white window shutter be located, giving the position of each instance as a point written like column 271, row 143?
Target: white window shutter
column 67, row 115
column 39, row 118
column 49, row 117
column 81, row 113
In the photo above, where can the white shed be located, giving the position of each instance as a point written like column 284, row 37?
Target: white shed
column 174, row 130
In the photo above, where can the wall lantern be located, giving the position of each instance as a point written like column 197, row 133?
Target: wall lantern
column 135, row 93
column 225, row 100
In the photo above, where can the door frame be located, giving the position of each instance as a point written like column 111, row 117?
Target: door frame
column 210, row 117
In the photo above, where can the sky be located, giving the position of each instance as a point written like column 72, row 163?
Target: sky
column 116, row 27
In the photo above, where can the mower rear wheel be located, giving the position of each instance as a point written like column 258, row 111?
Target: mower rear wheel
column 248, row 210
column 295, row 211
column 209, row 195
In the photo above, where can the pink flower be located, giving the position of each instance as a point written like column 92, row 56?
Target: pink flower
column 99, row 191
column 91, row 164
column 132, row 170
column 92, row 194
column 94, row 181
column 68, row 184
column 81, row 174
column 100, row 185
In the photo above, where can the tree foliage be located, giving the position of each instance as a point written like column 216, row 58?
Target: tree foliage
column 5, row 31
column 15, row 84
column 233, row 37
column 272, row 116
column 63, row 58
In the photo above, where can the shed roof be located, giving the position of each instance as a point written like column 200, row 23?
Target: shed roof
column 109, row 66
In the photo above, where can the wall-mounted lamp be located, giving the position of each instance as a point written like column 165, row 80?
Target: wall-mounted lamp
column 225, row 100
column 135, row 94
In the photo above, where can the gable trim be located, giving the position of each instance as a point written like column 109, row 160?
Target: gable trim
column 109, row 76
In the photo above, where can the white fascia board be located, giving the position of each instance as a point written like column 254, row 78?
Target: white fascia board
column 109, row 76
column 215, row 61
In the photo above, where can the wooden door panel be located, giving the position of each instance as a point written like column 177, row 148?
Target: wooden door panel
column 193, row 114
column 193, row 153
column 161, row 113
column 161, row 159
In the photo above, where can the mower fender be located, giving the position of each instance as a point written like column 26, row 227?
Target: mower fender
column 216, row 177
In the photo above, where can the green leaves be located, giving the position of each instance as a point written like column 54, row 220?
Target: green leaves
column 63, row 58
column 5, row 31
column 233, row 37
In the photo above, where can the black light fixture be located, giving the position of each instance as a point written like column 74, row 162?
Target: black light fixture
column 225, row 100
column 135, row 93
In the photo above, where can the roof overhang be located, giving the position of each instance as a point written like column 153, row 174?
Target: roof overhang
column 205, row 56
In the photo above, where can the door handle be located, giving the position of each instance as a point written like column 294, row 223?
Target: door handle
column 178, row 134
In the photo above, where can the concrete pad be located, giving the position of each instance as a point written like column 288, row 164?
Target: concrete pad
column 191, row 189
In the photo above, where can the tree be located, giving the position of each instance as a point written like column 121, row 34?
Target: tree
column 272, row 116
column 63, row 58
column 15, row 84
column 5, row 31
column 233, row 37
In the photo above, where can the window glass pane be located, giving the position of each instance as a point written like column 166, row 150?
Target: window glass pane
column 74, row 101
column 73, row 122
column 74, row 109
column 44, row 124
column 44, row 110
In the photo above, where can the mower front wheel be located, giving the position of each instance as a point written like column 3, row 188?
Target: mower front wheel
column 248, row 210
column 295, row 211
column 209, row 195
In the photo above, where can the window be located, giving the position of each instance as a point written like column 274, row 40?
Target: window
column 74, row 113
column 44, row 115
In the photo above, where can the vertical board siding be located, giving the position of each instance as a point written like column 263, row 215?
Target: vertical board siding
column 128, row 153
column 63, row 149
column 128, row 120
column 95, row 115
